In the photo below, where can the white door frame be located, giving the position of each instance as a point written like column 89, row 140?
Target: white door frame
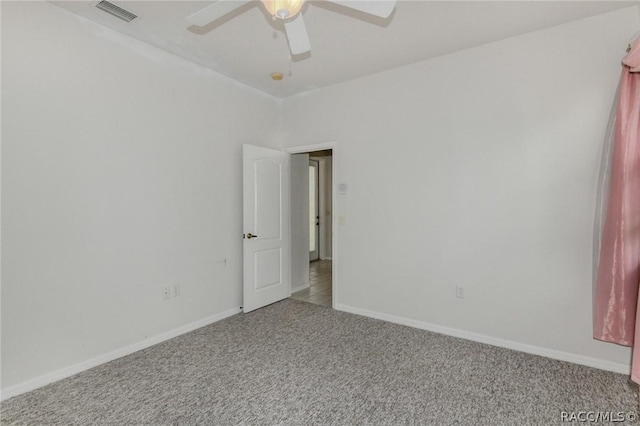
column 304, row 149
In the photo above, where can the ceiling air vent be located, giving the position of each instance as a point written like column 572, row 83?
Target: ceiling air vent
column 116, row 11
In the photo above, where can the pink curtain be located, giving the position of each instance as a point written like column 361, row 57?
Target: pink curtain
column 616, row 306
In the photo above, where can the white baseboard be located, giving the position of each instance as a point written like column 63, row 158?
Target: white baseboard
column 299, row 287
column 63, row 373
column 508, row 344
column 326, row 258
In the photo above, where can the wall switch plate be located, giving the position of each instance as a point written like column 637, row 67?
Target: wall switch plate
column 459, row 292
column 175, row 290
column 166, row 293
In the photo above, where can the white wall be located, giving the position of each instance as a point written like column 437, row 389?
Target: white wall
column 121, row 174
column 299, row 221
column 479, row 169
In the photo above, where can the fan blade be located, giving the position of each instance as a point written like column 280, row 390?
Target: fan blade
column 297, row 34
column 215, row 11
column 381, row 8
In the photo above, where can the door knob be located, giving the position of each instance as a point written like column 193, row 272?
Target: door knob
column 250, row 236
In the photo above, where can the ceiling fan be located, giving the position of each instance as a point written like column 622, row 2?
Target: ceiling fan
column 289, row 12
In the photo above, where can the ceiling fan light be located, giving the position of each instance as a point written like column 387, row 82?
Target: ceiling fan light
column 283, row 9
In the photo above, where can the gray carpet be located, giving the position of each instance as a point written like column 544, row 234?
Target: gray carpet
column 294, row 363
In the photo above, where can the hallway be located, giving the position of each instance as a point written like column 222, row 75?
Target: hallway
column 320, row 291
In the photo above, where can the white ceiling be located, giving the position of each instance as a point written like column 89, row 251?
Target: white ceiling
column 345, row 44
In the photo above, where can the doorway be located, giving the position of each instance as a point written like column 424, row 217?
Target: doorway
column 312, row 270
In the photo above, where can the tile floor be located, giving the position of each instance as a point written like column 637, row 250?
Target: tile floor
column 320, row 290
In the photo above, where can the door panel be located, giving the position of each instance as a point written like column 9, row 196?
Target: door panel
column 266, row 227
column 268, row 181
column 267, row 268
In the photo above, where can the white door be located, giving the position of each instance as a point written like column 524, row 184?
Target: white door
column 314, row 210
column 266, row 227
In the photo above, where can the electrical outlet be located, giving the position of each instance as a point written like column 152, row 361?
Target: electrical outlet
column 175, row 290
column 166, row 293
column 459, row 292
